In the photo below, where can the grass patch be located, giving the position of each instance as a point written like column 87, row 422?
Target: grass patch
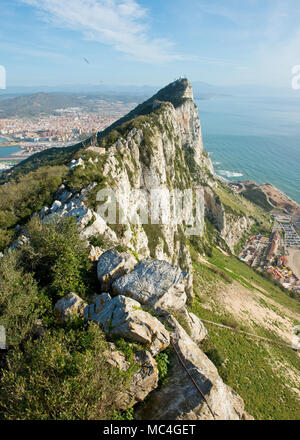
column 243, row 364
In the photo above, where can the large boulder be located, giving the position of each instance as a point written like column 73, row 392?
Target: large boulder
column 69, row 306
column 124, row 317
column 142, row 382
column 112, row 265
column 154, row 283
column 179, row 399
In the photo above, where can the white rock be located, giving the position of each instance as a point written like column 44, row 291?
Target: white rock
column 197, row 329
column 56, row 205
column 124, row 317
column 112, row 265
column 76, row 163
column 95, row 253
column 154, row 283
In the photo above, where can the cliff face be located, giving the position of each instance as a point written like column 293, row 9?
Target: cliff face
column 144, row 268
column 157, row 147
column 149, row 171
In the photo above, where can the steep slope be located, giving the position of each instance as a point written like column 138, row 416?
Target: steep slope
column 158, row 146
column 159, row 149
column 173, row 270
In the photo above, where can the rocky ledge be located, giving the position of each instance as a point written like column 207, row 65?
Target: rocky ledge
column 139, row 307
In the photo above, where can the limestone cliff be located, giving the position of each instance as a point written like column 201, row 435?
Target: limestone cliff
column 157, row 146
column 153, row 157
column 142, row 284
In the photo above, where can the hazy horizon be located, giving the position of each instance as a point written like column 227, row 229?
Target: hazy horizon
column 125, row 42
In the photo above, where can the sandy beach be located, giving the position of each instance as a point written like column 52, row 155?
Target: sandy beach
column 294, row 261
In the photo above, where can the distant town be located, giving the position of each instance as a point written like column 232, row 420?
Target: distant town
column 279, row 254
column 65, row 127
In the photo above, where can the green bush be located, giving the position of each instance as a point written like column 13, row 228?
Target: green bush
column 58, row 256
column 62, row 376
column 21, row 304
column 20, row 198
column 163, row 362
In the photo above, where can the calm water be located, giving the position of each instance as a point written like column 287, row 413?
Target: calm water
column 254, row 138
column 7, row 151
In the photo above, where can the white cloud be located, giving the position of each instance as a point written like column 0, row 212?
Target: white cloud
column 119, row 23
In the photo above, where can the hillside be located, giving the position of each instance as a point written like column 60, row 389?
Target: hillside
column 40, row 104
column 121, row 267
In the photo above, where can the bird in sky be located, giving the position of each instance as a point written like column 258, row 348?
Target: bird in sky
column 86, row 60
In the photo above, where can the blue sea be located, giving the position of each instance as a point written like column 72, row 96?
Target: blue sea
column 7, row 150
column 256, row 139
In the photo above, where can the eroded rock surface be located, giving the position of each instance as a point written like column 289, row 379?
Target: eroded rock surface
column 198, row 331
column 154, row 283
column 179, row 399
column 143, row 380
column 124, row 317
column 113, row 265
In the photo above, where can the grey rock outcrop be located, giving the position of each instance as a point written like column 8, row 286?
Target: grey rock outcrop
column 113, row 265
column 235, row 228
column 76, row 163
column 179, row 399
column 231, row 226
column 68, row 204
column 124, row 317
column 214, row 209
column 154, row 283
column 142, row 382
column 98, row 304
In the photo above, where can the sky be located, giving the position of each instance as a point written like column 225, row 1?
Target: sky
column 228, row 42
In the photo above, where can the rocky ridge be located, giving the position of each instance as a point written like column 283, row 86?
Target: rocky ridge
column 157, row 145
column 123, row 316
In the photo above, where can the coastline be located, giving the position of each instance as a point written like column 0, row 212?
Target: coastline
column 294, row 261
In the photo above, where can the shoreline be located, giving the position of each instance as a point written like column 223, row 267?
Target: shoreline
column 294, row 261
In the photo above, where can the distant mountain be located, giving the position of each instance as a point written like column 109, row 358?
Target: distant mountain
column 202, row 90
column 110, row 89
column 33, row 105
column 36, row 104
column 33, row 101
